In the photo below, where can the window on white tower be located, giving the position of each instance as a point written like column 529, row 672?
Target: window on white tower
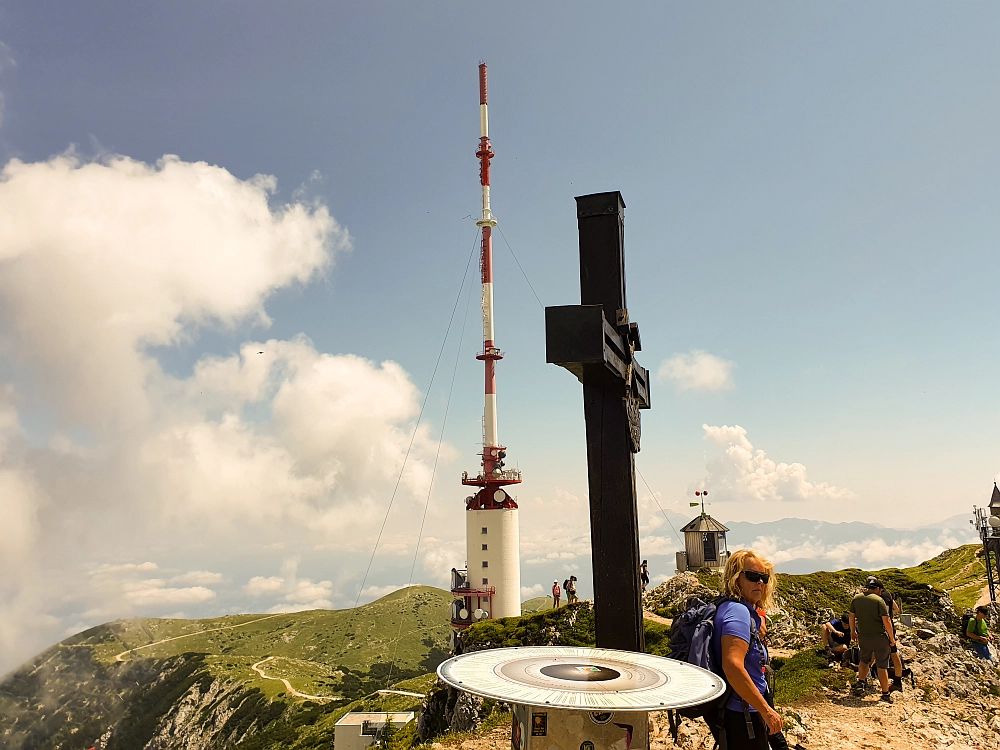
column 484, row 529
column 486, row 563
column 485, row 581
column 484, row 547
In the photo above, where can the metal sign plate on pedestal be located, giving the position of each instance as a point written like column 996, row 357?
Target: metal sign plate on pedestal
column 590, row 679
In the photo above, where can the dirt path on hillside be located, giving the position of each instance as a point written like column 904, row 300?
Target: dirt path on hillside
column 123, row 654
column 647, row 615
column 288, row 686
column 984, row 597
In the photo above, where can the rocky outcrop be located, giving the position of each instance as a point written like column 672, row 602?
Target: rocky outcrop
column 671, row 597
column 198, row 719
column 448, row 710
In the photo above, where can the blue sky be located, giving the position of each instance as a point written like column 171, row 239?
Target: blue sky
column 812, row 203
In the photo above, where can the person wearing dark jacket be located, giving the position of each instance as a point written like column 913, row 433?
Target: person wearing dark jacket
column 837, row 635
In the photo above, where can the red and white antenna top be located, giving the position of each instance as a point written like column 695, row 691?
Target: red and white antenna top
column 493, row 475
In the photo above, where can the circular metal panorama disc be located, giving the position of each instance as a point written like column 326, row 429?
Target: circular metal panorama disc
column 582, row 678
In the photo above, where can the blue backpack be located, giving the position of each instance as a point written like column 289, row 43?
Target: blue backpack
column 691, row 641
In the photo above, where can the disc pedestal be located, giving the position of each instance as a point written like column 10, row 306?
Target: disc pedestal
column 568, row 698
column 534, row 728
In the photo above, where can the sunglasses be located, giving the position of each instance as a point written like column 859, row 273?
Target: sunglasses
column 755, row 577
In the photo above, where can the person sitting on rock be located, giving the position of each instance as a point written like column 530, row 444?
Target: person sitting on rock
column 979, row 634
column 837, row 635
column 872, row 628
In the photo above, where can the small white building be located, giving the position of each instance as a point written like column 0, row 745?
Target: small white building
column 357, row 730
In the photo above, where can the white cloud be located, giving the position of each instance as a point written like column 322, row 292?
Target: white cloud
column 739, row 471
column 104, row 265
column 152, row 593
column 871, row 553
column 530, row 592
column 198, row 578
column 259, row 585
column 315, row 595
column 697, row 371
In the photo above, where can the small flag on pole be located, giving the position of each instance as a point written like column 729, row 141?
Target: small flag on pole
column 694, row 505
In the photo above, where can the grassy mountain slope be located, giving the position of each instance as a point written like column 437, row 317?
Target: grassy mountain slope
column 121, row 674
column 957, row 571
column 538, row 604
column 310, row 649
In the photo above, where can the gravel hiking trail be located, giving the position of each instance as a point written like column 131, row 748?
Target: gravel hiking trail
column 123, row 654
column 292, row 691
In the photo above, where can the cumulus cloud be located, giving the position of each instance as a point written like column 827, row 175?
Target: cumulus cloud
column 530, row 592
column 697, row 371
column 259, row 585
column 198, row 578
column 739, row 471
column 153, row 593
column 871, row 553
column 106, row 264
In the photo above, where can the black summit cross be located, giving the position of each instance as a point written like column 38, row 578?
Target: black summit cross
column 596, row 342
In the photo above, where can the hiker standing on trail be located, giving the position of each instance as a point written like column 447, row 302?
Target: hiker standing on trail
column 644, row 574
column 837, row 635
column 979, row 634
column 872, row 628
column 897, row 661
column 736, row 644
column 556, row 592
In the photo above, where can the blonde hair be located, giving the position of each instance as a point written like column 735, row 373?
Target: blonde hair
column 736, row 564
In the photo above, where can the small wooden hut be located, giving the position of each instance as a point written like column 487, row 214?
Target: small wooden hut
column 704, row 545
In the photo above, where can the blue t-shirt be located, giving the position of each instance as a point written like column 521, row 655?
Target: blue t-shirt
column 841, row 632
column 733, row 618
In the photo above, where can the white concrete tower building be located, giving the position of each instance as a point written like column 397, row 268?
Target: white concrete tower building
column 490, row 586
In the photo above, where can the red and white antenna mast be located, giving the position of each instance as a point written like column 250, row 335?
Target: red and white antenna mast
column 491, row 354
column 491, row 584
column 493, row 474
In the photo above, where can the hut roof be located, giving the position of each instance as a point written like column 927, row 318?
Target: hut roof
column 704, row 523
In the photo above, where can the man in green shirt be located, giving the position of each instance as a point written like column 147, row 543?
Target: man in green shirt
column 872, row 628
column 979, row 634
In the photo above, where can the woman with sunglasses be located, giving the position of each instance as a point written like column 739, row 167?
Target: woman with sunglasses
column 736, row 644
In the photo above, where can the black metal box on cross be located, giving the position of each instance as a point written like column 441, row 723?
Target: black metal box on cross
column 596, row 342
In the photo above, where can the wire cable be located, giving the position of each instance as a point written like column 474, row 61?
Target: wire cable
column 430, row 485
column 461, row 290
column 656, row 500
column 519, row 266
